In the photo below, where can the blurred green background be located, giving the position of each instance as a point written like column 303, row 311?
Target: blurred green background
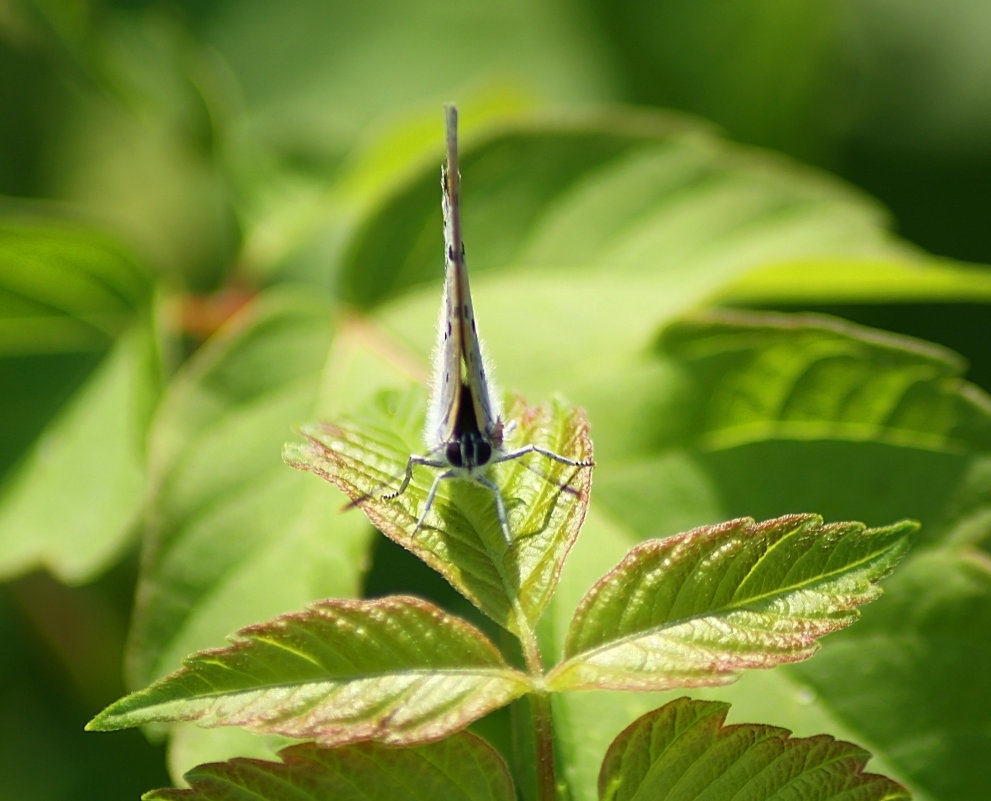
column 197, row 144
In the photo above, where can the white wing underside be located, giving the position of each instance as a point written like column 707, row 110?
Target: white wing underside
column 458, row 354
column 462, row 440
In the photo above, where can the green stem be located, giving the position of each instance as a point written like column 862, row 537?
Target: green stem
column 540, row 704
column 543, row 732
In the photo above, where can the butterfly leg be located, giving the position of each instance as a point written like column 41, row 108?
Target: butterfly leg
column 506, row 457
column 408, row 475
column 430, row 498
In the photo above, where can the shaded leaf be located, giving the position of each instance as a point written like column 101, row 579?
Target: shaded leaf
column 72, row 301
column 234, row 537
column 398, row 670
column 461, row 537
column 932, row 623
column 697, row 608
column 805, row 376
column 684, row 751
column 459, row 768
column 74, row 503
column 64, row 288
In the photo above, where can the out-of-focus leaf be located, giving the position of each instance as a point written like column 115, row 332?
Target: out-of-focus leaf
column 461, row 538
column 72, row 501
column 397, row 670
column 684, row 750
column 297, row 100
column 824, row 280
column 804, row 377
column 64, row 289
column 236, row 538
column 73, row 504
column 644, row 196
column 136, row 143
column 459, row 768
column 943, row 638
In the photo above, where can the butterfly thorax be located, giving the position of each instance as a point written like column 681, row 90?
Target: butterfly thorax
column 469, row 447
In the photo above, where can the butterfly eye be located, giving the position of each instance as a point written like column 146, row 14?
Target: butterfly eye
column 483, row 452
column 452, row 452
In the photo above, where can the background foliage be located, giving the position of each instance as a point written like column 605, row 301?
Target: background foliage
column 165, row 163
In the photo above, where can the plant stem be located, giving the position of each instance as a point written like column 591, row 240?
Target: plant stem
column 540, row 704
column 543, row 731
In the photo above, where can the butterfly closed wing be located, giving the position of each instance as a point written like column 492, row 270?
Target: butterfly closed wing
column 464, row 431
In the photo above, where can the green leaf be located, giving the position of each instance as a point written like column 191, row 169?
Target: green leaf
column 625, row 194
column 805, row 377
column 819, row 281
column 683, row 750
column 698, row 608
column 64, row 288
column 398, row 670
column 461, row 537
column 71, row 302
column 459, row 768
column 91, row 458
column 234, row 537
column 933, row 623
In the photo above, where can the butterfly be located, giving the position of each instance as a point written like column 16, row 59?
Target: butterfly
column 464, row 432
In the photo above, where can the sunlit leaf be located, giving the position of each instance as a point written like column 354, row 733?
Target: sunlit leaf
column 684, row 750
column 397, row 670
column 461, row 537
column 644, row 195
column 697, row 608
column 459, row 768
column 234, row 537
column 824, row 280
